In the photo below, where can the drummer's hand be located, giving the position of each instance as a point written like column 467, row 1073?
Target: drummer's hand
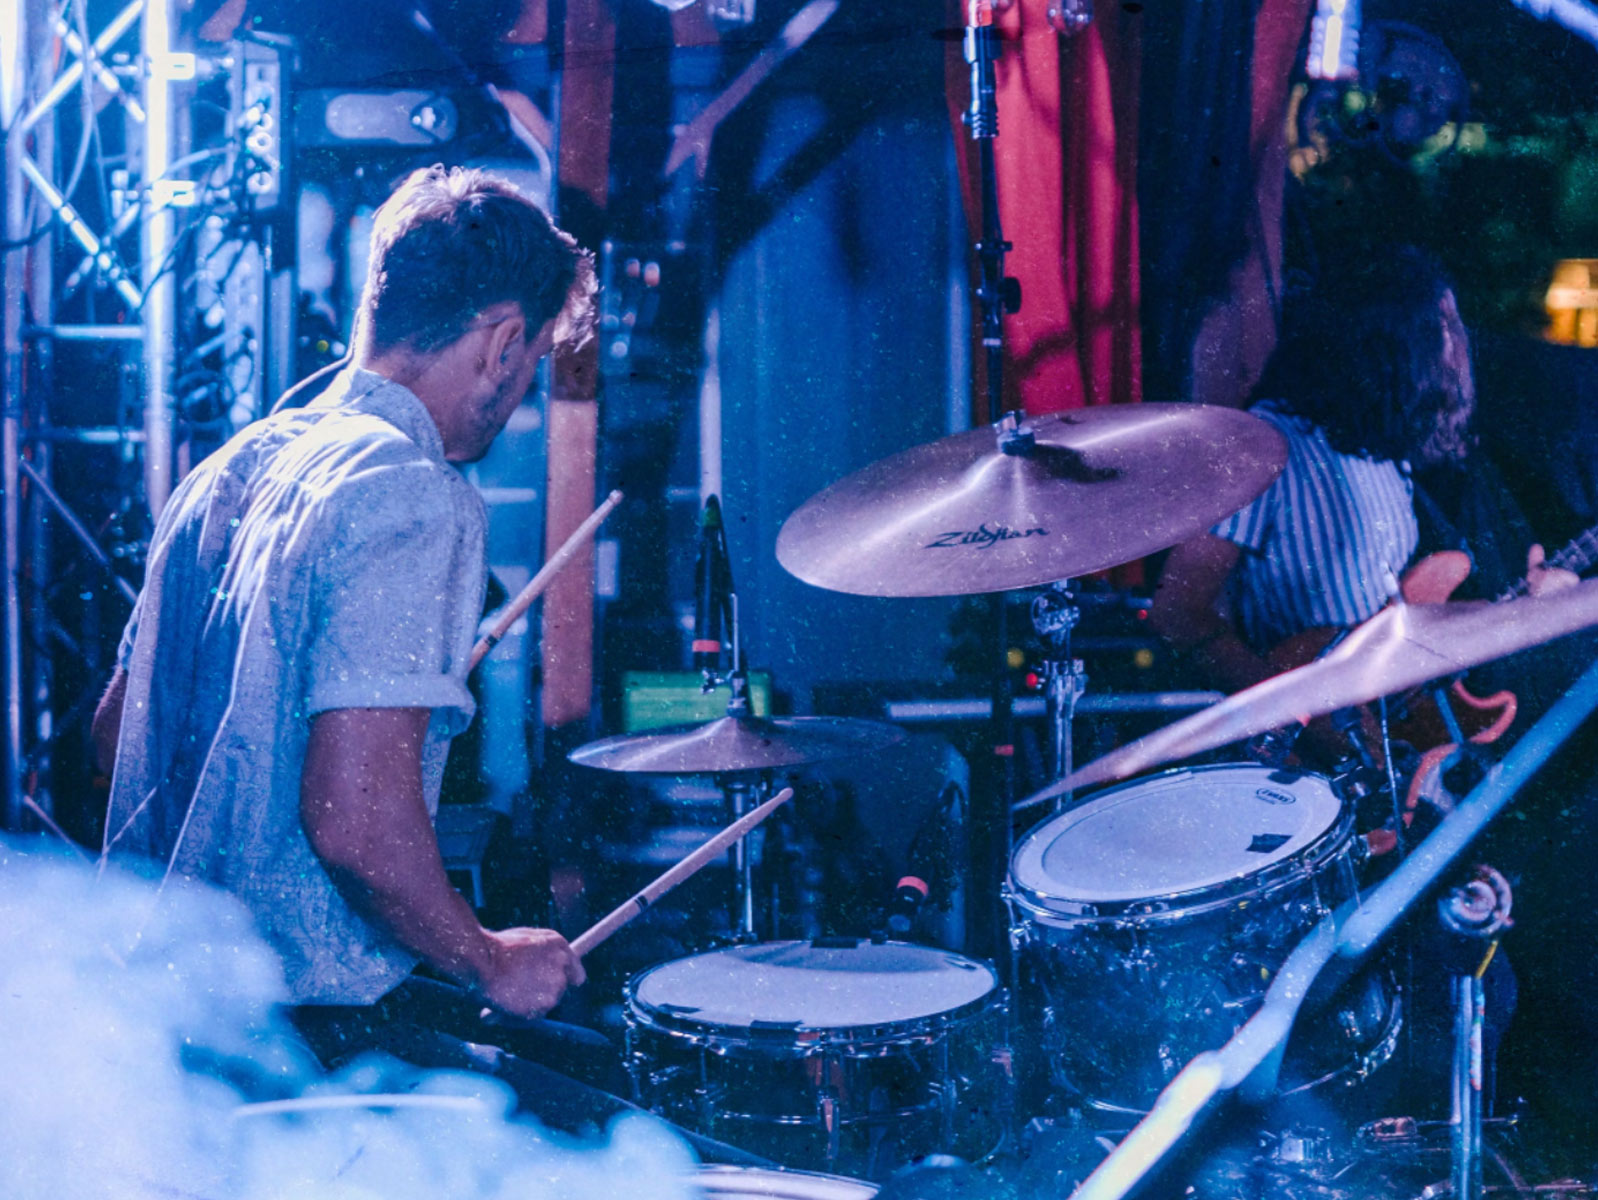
column 1542, row 580
column 527, row 970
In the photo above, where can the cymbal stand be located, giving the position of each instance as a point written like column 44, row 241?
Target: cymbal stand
column 743, row 794
column 1055, row 616
column 717, row 610
column 996, row 294
column 1478, row 910
column 1465, row 1128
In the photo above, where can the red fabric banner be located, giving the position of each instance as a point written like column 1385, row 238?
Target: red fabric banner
column 1066, row 159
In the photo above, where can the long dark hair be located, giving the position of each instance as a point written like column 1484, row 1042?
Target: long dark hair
column 1363, row 356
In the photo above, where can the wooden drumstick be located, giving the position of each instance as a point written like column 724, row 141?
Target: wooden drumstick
column 628, row 909
column 535, row 586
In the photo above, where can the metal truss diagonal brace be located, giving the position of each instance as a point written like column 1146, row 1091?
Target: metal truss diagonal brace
column 102, row 73
column 105, row 258
column 79, row 530
column 69, row 77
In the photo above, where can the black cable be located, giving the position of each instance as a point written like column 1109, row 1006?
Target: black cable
column 8, row 245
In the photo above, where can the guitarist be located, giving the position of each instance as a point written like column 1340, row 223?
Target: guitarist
column 1371, row 377
column 1371, row 380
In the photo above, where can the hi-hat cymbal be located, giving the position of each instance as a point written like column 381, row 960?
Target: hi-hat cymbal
column 737, row 744
column 1401, row 647
column 1010, row 506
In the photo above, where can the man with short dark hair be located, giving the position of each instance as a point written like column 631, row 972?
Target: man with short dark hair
column 296, row 664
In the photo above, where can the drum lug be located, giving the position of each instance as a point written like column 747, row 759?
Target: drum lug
column 827, row 1108
column 1003, row 1057
column 705, row 1108
column 1359, row 854
column 1250, row 978
column 1169, row 1062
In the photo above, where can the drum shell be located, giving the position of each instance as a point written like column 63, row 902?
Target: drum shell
column 1120, row 996
column 861, row 1100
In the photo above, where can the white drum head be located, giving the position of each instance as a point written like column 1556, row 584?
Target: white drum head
column 756, row 1183
column 1180, row 832
column 807, row 987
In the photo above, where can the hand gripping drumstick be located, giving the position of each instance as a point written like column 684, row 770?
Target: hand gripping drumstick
column 628, row 909
column 535, row 586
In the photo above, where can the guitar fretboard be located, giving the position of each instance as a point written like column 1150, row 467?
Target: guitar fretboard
column 1580, row 553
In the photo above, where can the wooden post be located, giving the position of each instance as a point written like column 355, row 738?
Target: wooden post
column 586, row 83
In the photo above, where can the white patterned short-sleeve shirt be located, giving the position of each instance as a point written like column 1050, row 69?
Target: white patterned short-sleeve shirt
column 326, row 557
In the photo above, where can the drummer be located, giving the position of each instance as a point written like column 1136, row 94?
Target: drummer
column 1372, row 376
column 296, row 664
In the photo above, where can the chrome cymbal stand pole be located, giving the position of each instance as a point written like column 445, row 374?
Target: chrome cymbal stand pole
column 1465, row 1112
column 1055, row 616
column 742, row 796
column 1477, row 910
column 996, row 295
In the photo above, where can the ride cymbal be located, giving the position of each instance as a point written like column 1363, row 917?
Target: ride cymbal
column 1024, row 503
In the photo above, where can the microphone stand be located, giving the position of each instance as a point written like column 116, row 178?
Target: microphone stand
column 721, row 605
column 742, row 794
column 996, row 295
column 1249, row 1061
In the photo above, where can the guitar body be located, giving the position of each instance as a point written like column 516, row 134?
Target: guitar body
column 1435, row 578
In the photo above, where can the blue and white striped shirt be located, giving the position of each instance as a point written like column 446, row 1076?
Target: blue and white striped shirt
column 1325, row 543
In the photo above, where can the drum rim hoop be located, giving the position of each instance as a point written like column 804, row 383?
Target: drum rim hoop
column 718, row 1172
column 783, row 1042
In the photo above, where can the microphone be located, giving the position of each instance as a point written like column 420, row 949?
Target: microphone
column 981, row 52
column 1275, row 746
column 910, row 893
column 1347, row 721
column 708, row 603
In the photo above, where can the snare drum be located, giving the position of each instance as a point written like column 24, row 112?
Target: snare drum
column 1150, row 919
column 837, row 1055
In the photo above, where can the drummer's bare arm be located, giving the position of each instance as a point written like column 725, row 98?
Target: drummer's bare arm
column 107, row 726
column 362, row 806
column 1188, row 613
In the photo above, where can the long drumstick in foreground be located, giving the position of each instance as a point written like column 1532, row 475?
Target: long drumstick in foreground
column 535, row 586
column 628, row 909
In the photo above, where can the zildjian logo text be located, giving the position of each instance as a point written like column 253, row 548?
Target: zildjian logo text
column 982, row 537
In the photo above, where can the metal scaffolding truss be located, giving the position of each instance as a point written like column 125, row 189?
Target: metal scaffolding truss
column 173, row 213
